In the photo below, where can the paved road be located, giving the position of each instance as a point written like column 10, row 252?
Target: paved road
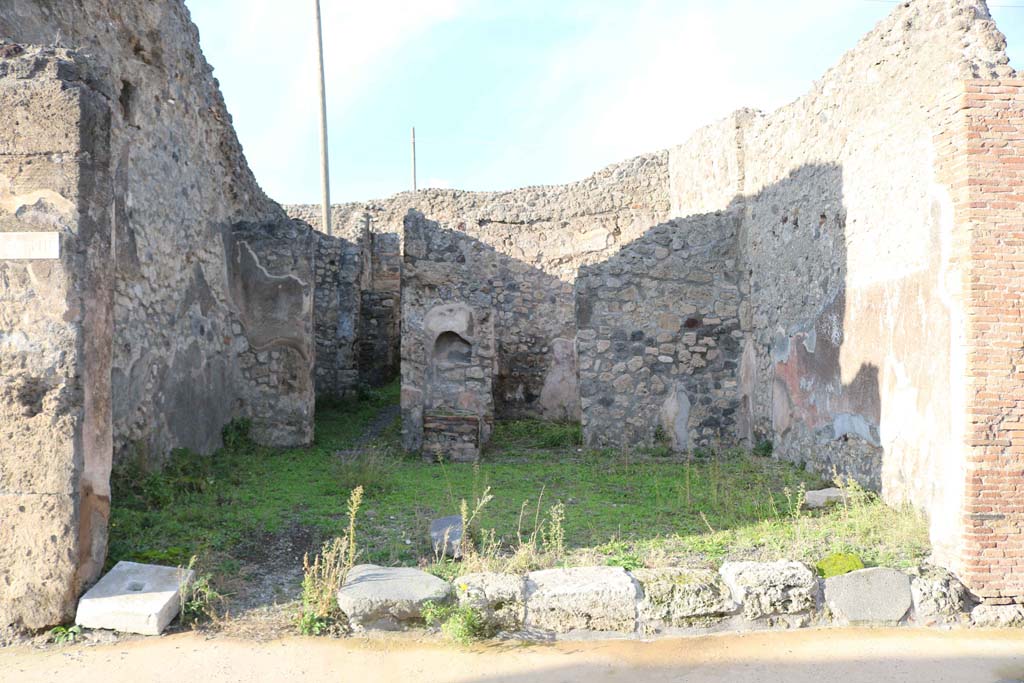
column 837, row 656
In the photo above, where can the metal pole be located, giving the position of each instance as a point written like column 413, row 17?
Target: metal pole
column 325, row 174
column 414, row 158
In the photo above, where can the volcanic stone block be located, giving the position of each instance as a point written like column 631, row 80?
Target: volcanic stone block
column 581, row 599
column 501, row 598
column 675, row 597
column 815, row 500
column 767, row 588
column 869, row 596
column 134, row 598
column 446, row 536
column 998, row 616
column 388, row 598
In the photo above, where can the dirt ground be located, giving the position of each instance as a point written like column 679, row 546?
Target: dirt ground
column 848, row 655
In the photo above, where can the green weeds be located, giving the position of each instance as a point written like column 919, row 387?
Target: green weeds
column 462, row 624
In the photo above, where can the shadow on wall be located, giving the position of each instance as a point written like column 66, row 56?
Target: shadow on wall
column 711, row 329
column 726, row 327
column 533, row 368
column 715, row 328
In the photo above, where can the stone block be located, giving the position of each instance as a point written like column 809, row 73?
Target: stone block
column 939, row 598
column 388, row 598
column 770, row 588
column 134, row 598
column 38, row 548
column 998, row 616
column 581, row 599
column 869, row 596
column 674, row 597
column 823, row 498
column 500, row 598
column 446, row 536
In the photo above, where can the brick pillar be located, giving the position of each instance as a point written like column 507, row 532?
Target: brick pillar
column 989, row 199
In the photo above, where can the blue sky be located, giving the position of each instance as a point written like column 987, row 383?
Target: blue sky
column 505, row 93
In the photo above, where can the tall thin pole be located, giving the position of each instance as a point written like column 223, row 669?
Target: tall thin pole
column 325, row 173
column 414, row 158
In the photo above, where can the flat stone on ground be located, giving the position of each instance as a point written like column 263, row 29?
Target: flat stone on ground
column 134, row 598
column 446, row 537
column 581, row 599
column 823, row 498
column 869, row 596
column 388, row 597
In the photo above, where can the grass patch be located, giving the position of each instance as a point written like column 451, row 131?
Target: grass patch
column 552, row 503
column 535, row 434
column 460, row 623
column 218, row 507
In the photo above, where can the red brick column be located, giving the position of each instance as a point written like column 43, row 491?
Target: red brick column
column 989, row 198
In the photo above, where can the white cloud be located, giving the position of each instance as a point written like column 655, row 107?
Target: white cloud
column 645, row 77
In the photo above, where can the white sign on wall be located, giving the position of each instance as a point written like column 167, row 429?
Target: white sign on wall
column 16, row 246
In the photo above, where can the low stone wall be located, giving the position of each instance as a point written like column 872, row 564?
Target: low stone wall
column 582, row 602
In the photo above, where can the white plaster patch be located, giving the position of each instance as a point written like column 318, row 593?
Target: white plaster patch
column 18, row 246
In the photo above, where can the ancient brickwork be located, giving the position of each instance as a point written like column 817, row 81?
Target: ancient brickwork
column 340, row 273
column 448, row 345
column 379, row 340
column 983, row 157
column 272, row 279
column 659, row 337
column 358, row 303
column 140, row 171
column 528, row 245
column 56, row 327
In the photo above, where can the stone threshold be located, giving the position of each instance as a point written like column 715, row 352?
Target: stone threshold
column 611, row 602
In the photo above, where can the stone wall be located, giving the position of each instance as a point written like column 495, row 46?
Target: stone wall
column 125, row 148
column 358, row 301
column 529, row 243
column 448, row 345
column 659, row 337
column 180, row 184
column 56, row 326
column 340, row 275
column 379, row 340
column 855, row 318
column 272, row 277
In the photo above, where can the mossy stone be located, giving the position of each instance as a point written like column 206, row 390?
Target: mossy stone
column 837, row 564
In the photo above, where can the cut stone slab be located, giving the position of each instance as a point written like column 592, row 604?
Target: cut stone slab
column 500, row 598
column 680, row 598
column 134, row 598
column 869, row 596
column 768, row 588
column 823, row 498
column 388, row 598
column 998, row 616
column 581, row 599
column 446, row 537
